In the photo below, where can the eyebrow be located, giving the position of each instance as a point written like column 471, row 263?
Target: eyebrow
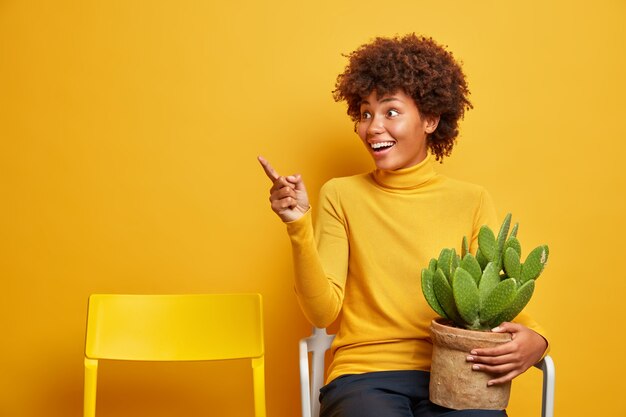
column 385, row 100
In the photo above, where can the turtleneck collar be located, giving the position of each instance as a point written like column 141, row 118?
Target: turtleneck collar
column 406, row 178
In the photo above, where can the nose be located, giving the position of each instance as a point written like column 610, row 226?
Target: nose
column 375, row 127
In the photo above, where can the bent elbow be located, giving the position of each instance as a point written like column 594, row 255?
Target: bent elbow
column 319, row 314
column 321, row 321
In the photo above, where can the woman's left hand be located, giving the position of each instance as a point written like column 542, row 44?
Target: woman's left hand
column 509, row 359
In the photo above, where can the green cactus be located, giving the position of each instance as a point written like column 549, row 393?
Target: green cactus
column 512, row 265
column 429, row 292
column 480, row 292
column 502, row 234
column 489, row 280
column 516, row 306
column 498, row 299
column 464, row 247
column 512, row 242
column 534, row 264
column 487, row 243
column 471, row 265
column 482, row 261
column 443, row 292
column 446, row 262
column 465, row 294
column 432, row 265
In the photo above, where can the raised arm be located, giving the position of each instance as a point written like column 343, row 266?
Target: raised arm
column 320, row 265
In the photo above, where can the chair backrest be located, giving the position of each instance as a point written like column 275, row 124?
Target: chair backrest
column 174, row 328
column 312, row 374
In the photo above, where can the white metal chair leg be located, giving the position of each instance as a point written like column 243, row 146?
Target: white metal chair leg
column 312, row 372
column 547, row 400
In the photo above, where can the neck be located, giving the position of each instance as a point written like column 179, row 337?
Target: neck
column 406, row 178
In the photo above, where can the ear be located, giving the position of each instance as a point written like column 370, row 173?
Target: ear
column 431, row 123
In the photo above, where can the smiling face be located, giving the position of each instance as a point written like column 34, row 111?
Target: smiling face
column 394, row 131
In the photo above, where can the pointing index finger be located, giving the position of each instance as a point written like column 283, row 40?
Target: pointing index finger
column 269, row 171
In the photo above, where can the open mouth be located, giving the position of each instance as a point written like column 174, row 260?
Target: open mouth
column 381, row 146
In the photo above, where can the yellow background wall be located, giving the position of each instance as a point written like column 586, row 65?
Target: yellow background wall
column 128, row 137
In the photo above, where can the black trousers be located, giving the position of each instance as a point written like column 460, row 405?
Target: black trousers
column 387, row 394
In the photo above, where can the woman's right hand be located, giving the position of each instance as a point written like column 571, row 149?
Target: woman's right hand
column 288, row 195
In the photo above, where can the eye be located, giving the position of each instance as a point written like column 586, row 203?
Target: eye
column 393, row 113
column 366, row 115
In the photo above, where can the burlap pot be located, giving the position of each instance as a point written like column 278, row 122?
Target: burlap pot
column 453, row 383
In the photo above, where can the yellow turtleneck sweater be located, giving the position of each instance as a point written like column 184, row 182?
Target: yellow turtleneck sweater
column 374, row 234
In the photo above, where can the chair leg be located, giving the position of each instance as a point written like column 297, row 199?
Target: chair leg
column 547, row 402
column 91, row 381
column 258, row 378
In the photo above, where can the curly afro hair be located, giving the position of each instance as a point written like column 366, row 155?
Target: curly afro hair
column 420, row 68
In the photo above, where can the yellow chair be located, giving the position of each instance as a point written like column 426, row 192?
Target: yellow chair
column 174, row 328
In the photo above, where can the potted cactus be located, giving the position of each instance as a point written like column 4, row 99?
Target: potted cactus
column 474, row 294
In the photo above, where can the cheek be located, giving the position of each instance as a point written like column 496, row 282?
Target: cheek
column 403, row 130
column 361, row 130
column 399, row 128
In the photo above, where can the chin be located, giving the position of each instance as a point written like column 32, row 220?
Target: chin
column 386, row 166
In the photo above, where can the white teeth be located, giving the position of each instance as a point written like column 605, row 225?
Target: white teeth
column 379, row 145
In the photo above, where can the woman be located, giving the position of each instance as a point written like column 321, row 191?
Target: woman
column 376, row 231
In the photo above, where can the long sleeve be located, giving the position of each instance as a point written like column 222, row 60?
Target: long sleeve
column 320, row 261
